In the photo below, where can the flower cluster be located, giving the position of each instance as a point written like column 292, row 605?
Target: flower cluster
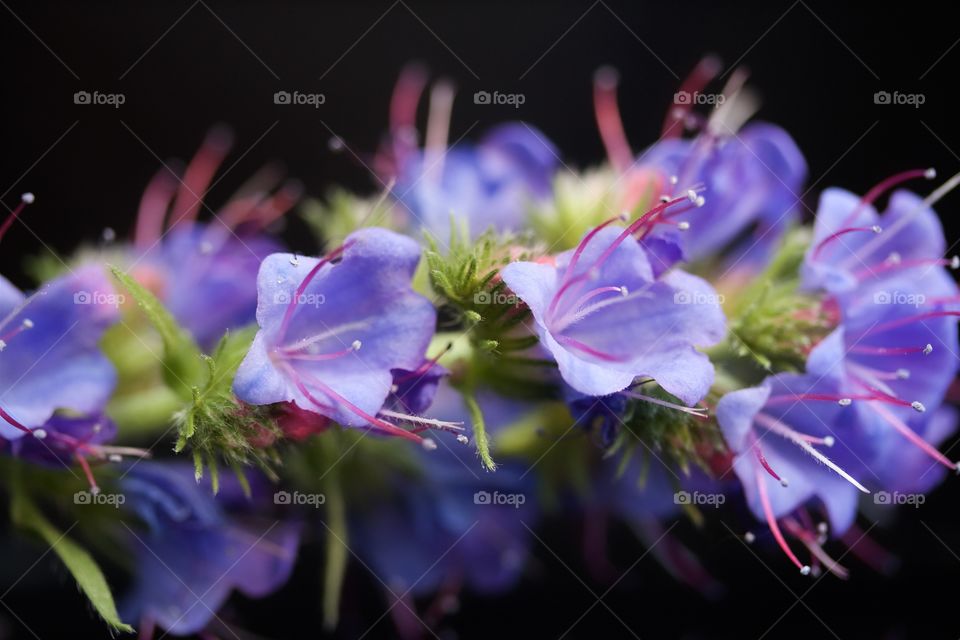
column 493, row 341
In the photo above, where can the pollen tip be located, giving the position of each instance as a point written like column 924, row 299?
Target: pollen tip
column 749, row 538
column 876, row 228
column 624, row 291
column 930, row 173
column 115, row 457
column 355, row 345
column 462, row 439
column 822, row 527
column 664, row 198
column 955, row 262
column 674, row 179
column 927, row 350
column 94, row 490
column 683, row 226
column 956, row 468
column 784, row 482
column 918, row 406
column 692, row 195
column 700, row 201
column 624, row 216
column 429, row 444
column 27, row 323
column 845, row 402
column 903, row 374
column 39, row 434
column 27, row 198
column 805, row 570
column 828, row 441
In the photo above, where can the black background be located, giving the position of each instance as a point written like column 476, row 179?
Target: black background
column 183, row 67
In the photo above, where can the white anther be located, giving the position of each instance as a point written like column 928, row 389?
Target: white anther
column 903, row 374
column 828, row 441
column 845, row 402
column 3, row 345
column 27, row 323
column 700, row 201
column 876, row 228
column 462, row 439
column 664, row 198
column 28, row 198
column 429, row 444
column 206, row 248
column 691, row 195
column 355, row 345
column 674, row 179
column 955, row 262
column 784, row 482
column 749, row 538
column 927, row 350
column 805, row 570
column 295, row 261
column 918, row 406
column 683, row 226
column 115, row 457
column 893, row 258
column 108, row 235
column 39, row 434
column 624, row 291
column 930, row 173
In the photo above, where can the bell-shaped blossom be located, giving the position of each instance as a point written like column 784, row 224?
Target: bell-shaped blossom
column 606, row 319
column 49, row 354
column 192, row 550
column 333, row 330
column 452, row 524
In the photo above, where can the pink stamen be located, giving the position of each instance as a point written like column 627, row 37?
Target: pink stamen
column 25, row 199
column 13, row 422
column 292, row 305
column 890, row 351
column 890, row 265
column 766, row 465
column 294, row 354
column 153, row 208
column 899, row 322
column 705, row 71
column 390, row 429
column 576, row 344
column 774, row 527
column 809, row 540
column 82, row 461
column 883, row 186
column 910, row 435
column 426, row 366
column 608, row 119
column 568, row 274
column 842, row 232
column 697, row 412
column 198, row 175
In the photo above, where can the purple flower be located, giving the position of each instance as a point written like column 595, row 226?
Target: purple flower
column 750, row 178
column 195, row 549
column 855, row 250
column 49, row 350
column 490, row 185
column 777, row 433
column 332, row 331
column 450, row 525
column 205, row 274
column 606, row 319
column 206, row 277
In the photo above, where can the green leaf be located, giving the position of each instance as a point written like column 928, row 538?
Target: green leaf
column 480, row 438
column 82, row 566
column 183, row 368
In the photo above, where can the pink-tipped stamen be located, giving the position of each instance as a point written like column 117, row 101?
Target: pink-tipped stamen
column 774, row 527
column 425, row 367
column 900, row 322
column 912, row 436
column 7, row 337
column 697, row 412
column 88, row 472
column 885, row 185
column 153, row 208
column 891, row 351
column 199, row 174
column 811, row 542
column 13, row 422
column 893, row 265
column 705, row 71
column 778, row 427
column 25, row 199
column 299, row 380
column 838, row 234
column 762, row 459
column 580, row 346
column 607, row 111
column 298, row 296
